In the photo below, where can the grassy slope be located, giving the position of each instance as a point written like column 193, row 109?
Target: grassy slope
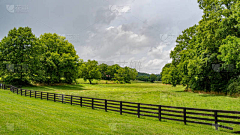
column 24, row 115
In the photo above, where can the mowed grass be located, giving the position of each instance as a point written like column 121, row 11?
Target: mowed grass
column 25, row 115
column 152, row 93
column 34, row 116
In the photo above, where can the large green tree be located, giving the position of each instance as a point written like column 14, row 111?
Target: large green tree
column 60, row 63
column 19, row 56
column 205, row 51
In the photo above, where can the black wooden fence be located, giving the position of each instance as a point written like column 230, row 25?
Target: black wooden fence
column 182, row 114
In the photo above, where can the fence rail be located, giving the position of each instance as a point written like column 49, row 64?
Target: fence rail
column 182, row 114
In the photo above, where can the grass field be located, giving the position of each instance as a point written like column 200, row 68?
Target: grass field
column 24, row 115
column 152, row 93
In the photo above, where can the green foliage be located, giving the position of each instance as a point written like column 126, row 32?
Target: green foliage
column 89, row 70
column 19, row 52
column 170, row 74
column 234, row 86
column 25, row 59
column 230, row 51
column 143, row 78
column 146, row 77
column 124, row 75
column 112, row 70
column 103, row 69
column 206, row 56
column 152, row 78
column 59, row 60
column 133, row 73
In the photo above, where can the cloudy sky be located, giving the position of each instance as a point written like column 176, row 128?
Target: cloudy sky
column 134, row 33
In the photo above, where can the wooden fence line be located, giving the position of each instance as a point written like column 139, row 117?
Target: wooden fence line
column 139, row 109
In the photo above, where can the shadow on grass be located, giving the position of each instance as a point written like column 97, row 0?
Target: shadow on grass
column 55, row 88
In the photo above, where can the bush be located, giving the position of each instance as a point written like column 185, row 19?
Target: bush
column 234, row 86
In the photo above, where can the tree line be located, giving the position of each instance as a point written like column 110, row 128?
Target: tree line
column 207, row 56
column 91, row 70
column 26, row 59
column 148, row 77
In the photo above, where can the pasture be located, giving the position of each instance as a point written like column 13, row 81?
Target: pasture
column 24, row 115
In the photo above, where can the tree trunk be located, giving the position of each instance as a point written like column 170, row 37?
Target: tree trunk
column 90, row 81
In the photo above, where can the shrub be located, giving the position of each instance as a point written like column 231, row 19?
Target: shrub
column 234, row 86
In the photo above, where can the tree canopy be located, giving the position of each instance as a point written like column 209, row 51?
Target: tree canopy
column 90, row 70
column 206, row 56
column 27, row 59
column 19, row 52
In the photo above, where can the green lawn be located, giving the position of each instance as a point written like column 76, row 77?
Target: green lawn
column 25, row 115
column 152, row 93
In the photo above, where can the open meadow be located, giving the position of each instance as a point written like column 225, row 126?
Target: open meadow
column 25, row 115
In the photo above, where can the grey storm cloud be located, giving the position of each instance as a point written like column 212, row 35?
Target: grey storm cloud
column 134, row 33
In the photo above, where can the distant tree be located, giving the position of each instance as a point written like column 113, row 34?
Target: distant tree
column 123, row 75
column 90, row 70
column 133, row 73
column 112, row 70
column 152, row 78
column 103, row 69
column 143, row 78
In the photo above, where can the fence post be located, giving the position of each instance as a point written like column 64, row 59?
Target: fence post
column 121, row 107
column 35, row 94
column 138, row 112
column 47, row 95
column 21, row 91
column 216, row 120
column 17, row 91
column 105, row 105
column 159, row 112
column 184, row 116
column 41, row 95
column 92, row 103
column 54, row 97
column 30, row 93
column 71, row 99
column 25, row 93
column 81, row 101
column 62, row 98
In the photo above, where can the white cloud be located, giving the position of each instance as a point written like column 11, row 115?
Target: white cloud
column 114, row 41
